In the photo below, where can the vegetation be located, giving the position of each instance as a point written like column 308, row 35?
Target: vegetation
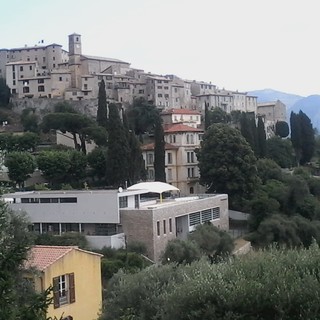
column 159, row 152
column 302, row 137
column 118, row 150
column 207, row 240
column 4, row 93
column 227, row 163
column 20, row 166
column 233, row 289
column 282, row 129
column 102, row 112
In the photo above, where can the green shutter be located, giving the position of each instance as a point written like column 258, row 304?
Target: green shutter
column 72, row 293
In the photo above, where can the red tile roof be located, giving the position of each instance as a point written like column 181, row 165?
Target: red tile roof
column 180, row 128
column 41, row 257
column 150, row 146
column 181, row 111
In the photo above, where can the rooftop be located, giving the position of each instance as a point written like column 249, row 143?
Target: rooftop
column 180, row 128
column 42, row 257
column 150, row 146
column 85, row 56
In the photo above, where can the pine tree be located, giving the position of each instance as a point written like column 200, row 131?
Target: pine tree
column 102, row 113
column 261, row 138
column 159, row 152
column 118, row 156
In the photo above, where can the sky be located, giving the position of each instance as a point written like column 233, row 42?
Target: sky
column 240, row 45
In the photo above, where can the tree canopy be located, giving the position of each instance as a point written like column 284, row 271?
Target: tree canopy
column 227, row 163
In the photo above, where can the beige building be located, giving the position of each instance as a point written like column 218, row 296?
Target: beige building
column 228, row 101
column 272, row 112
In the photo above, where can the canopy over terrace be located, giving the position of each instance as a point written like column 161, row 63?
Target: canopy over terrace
column 154, row 187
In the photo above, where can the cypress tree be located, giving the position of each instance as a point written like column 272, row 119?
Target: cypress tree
column 136, row 162
column 262, row 144
column 118, row 150
column 159, row 152
column 207, row 120
column 248, row 130
column 307, row 137
column 296, row 135
column 102, row 112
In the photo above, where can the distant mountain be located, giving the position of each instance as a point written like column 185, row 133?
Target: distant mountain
column 268, row 95
column 309, row 105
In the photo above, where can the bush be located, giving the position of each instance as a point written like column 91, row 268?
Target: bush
column 66, row 239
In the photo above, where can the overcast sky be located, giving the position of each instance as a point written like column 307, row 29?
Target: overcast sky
column 236, row 44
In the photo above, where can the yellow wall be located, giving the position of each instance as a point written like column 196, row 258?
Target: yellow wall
column 88, row 292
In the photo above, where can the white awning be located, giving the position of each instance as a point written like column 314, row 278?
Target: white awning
column 156, row 187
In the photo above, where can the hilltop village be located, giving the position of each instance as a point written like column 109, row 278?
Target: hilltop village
column 118, row 168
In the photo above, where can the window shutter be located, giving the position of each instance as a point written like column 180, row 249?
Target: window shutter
column 72, row 293
column 56, row 300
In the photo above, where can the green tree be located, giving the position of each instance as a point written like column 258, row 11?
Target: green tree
column 20, row 166
column 280, row 151
column 159, row 152
column 4, row 93
column 102, row 112
column 249, row 130
column 181, row 251
column 207, row 114
column 79, row 125
column 227, row 163
column 282, row 129
column 302, row 137
column 30, row 120
column 136, row 163
column 97, row 160
column 142, row 116
column 268, row 169
column 261, row 134
column 62, row 166
column 211, row 240
column 118, row 150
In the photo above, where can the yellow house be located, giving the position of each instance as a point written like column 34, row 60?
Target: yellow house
column 75, row 275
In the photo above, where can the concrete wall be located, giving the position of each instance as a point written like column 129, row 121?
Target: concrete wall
column 91, row 207
column 116, row 241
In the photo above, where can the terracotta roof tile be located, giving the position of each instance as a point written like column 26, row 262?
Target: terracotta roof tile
column 180, row 128
column 41, row 257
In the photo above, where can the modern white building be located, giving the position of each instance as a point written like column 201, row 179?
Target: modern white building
column 112, row 217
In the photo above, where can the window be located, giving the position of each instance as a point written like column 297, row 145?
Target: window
column 21, row 68
column 63, row 290
column 169, row 158
column 159, row 95
column 44, row 59
column 60, row 78
column 159, row 87
column 169, row 174
column 123, row 202
column 40, row 80
column 68, row 200
column 158, row 228
column 40, row 88
column 14, row 82
column 190, row 172
column 170, row 225
column 150, row 158
column 85, row 86
column 164, row 227
column 54, row 65
column 190, row 157
column 172, row 139
column 141, row 91
column 166, row 88
column 30, row 67
column 25, row 90
column 150, row 174
column 53, row 58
